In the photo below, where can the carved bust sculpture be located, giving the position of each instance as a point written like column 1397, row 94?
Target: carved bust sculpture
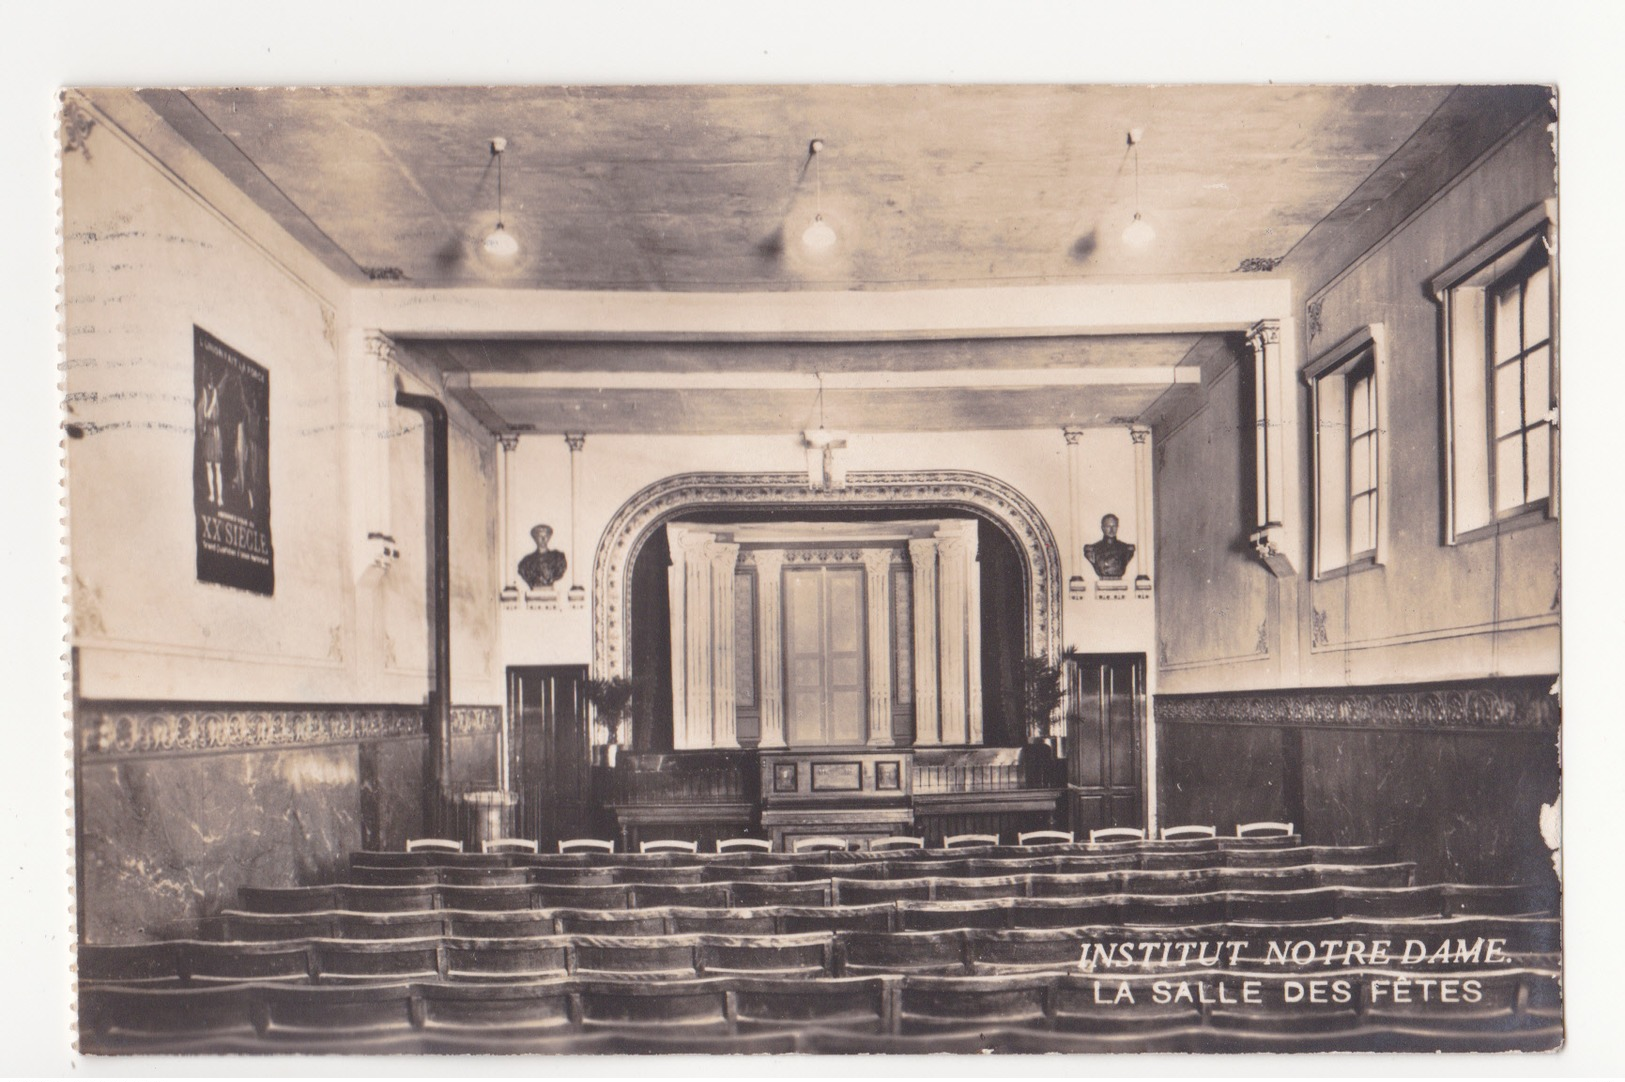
column 1109, row 556
column 545, row 566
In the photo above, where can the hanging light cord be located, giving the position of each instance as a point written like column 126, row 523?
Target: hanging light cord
column 1135, row 147
column 820, row 377
column 498, row 154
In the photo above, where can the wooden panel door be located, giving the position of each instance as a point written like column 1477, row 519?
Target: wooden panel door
column 552, row 753
column 825, row 677
column 1105, row 755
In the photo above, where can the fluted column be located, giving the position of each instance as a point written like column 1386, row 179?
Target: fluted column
column 770, row 643
column 724, row 726
column 973, row 639
column 692, row 637
column 922, row 553
column 877, row 568
column 951, row 636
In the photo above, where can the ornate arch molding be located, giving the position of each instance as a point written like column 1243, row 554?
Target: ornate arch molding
column 670, row 497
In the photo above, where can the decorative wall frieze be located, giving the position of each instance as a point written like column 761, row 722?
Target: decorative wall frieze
column 153, row 728
column 823, row 556
column 1509, row 704
column 472, row 720
column 631, row 526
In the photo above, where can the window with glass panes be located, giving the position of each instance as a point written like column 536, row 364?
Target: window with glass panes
column 1520, row 315
column 1362, row 460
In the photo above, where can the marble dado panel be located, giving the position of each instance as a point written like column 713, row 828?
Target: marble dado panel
column 1514, row 704
column 120, row 729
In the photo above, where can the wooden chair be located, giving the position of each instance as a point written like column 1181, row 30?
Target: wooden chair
column 1191, row 830
column 897, row 841
column 954, row 841
column 508, row 845
column 1044, row 837
column 433, row 845
column 1117, row 834
column 817, row 844
column 571, row 845
column 668, row 845
column 725, row 845
column 1263, row 827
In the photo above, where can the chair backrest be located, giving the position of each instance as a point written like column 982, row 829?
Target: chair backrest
column 570, row 844
column 433, row 845
column 668, row 845
column 1263, row 826
column 1191, row 830
column 1117, row 834
column 1042, row 837
column 726, row 844
column 508, row 845
column 898, row 841
column 817, row 842
column 954, row 841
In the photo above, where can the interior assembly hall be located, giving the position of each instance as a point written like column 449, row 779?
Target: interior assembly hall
column 813, row 568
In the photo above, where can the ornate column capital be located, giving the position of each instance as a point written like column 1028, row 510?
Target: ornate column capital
column 1266, row 332
column 509, row 441
column 1071, row 433
column 575, row 441
column 379, row 346
column 1139, row 433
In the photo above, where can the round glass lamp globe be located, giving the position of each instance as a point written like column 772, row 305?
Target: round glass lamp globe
column 499, row 244
column 819, row 237
column 1139, row 233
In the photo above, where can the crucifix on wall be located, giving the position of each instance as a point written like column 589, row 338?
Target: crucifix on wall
column 824, row 469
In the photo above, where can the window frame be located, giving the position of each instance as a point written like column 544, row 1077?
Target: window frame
column 1464, row 291
column 1362, row 352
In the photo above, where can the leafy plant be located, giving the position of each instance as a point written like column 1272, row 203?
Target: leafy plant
column 1039, row 693
column 612, row 699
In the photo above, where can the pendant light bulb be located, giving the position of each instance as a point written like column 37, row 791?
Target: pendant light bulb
column 1139, row 233
column 499, row 243
column 819, row 237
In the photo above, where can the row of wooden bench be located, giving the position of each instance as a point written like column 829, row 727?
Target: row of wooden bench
column 1478, row 1001
column 1218, row 850
column 1318, row 904
column 964, row 867
column 1314, row 947
column 839, row 890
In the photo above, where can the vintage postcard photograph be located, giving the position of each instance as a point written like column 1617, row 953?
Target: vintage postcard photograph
column 814, row 568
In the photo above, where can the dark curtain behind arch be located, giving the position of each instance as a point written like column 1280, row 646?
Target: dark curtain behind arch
column 1004, row 607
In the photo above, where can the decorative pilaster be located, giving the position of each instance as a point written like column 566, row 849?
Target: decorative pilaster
column 770, row 644
column 877, row 570
column 372, row 401
column 509, row 592
column 922, row 553
column 722, row 558
column 973, row 638
column 575, row 441
column 1074, row 502
column 1145, row 529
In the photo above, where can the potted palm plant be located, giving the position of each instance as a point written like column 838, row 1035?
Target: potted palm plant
column 1039, row 693
column 611, row 699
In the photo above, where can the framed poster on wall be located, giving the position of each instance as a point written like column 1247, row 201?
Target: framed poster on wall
column 231, row 486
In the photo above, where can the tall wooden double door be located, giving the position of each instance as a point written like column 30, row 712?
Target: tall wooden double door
column 1105, row 760
column 552, row 760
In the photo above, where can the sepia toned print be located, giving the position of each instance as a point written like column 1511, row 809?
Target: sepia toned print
column 817, row 717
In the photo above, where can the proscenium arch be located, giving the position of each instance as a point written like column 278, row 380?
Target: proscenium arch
column 655, row 504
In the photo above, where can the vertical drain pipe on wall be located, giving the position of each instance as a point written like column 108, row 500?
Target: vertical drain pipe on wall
column 437, row 787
